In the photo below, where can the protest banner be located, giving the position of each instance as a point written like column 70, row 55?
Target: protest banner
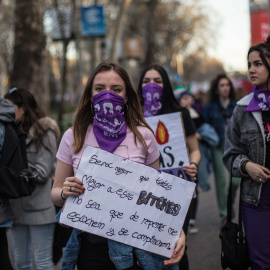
column 169, row 133
column 128, row 202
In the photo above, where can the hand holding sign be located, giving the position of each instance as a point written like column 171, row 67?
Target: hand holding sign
column 72, row 187
column 128, row 202
column 179, row 250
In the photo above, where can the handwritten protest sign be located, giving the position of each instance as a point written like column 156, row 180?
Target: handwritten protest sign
column 128, row 202
column 170, row 137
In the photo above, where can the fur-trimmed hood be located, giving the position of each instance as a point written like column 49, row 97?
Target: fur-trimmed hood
column 46, row 123
column 246, row 99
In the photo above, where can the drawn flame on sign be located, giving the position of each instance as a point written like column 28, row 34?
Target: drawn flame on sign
column 162, row 134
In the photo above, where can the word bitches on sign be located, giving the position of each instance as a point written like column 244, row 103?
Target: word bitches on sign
column 128, row 202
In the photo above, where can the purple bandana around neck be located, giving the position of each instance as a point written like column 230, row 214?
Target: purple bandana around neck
column 152, row 94
column 260, row 100
column 109, row 125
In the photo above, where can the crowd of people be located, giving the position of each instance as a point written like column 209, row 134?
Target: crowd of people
column 221, row 133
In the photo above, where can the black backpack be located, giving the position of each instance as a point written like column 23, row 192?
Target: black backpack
column 17, row 179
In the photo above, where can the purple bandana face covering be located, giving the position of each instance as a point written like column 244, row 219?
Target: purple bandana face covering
column 152, row 94
column 109, row 125
column 260, row 100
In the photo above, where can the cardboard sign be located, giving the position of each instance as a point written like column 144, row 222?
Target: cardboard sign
column 128, row 202
column 169, row 133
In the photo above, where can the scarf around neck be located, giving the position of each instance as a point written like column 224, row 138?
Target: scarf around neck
column 260, row 100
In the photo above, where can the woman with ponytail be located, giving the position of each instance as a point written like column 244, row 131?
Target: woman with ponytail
column 247, row 154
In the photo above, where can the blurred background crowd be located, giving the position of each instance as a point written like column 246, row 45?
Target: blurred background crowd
column 50, row 47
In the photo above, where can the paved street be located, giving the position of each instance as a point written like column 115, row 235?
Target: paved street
column 203, row 247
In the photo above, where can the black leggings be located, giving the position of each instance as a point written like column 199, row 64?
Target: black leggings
column 94, row 253
column 4, row 256
column 183, row 264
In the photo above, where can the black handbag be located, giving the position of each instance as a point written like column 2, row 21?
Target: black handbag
column 14, row 185
column 234, row 249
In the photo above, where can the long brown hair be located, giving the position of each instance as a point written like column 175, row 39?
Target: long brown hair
column 213, row 93
column 84, row 114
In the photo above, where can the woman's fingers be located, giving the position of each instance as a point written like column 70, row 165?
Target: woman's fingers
column 72, row 187
column 257, row 172
column 191, row 170
column 178, row 251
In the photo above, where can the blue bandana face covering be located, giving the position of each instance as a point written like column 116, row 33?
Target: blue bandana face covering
column 109, row 125
column 152, row 95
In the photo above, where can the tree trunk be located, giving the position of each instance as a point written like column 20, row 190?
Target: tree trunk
column 118, row 30
column 150, row 34
column 30, row 59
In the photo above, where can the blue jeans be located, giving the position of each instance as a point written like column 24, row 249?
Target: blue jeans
column 40, row 237
column 122, row 257
column 120, row 254
column 205, row 167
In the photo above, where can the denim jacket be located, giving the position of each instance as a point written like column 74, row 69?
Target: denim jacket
column 210, row 138
column 214, row 117
column 245, row 141
column 120, row 254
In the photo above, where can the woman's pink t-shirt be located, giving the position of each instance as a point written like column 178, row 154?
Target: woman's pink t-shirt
column 127, row 149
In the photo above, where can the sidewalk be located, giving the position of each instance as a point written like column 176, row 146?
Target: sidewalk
column 204, row 247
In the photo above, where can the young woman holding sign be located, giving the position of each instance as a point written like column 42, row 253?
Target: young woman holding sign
column 134, row 140
column 247, row 155
column 157, row 98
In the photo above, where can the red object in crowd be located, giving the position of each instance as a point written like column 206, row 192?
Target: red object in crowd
column 247, row 86
column 259, row 24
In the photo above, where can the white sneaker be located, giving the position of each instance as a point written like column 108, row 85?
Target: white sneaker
column 192, row 228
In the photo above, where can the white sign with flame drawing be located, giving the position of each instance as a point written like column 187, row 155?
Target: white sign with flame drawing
column 169, row 133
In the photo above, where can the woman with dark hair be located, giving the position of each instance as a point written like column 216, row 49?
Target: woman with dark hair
column 154, row 82
column 247, row 155
column 168, row 102
column 131, row 138
column 157, row 98
column 218, row 113
column 33, row 216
